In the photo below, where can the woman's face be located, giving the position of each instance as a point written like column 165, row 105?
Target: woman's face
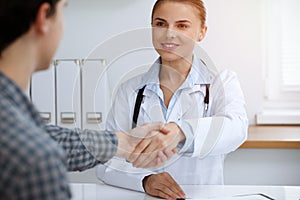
column 175, row 29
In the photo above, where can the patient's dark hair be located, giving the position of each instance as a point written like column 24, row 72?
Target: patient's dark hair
column 16, row 16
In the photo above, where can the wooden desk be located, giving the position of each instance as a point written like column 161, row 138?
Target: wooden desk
column 203, row 192
column 273, row 137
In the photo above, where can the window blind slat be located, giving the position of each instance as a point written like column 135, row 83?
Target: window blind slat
column 290, row 45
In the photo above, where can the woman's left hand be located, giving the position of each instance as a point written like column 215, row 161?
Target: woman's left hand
column 162, row 185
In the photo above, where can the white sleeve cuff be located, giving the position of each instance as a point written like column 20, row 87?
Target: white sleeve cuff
column 125, row 176
column 188, row 145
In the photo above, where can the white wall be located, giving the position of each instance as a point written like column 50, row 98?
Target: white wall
column 234, row 38
column 234, row 41
column 89, row 23
column 263, row 167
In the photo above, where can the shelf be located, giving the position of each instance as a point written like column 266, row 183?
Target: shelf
column 273, row 137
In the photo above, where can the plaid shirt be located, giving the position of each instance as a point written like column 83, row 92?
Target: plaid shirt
column 35, row 158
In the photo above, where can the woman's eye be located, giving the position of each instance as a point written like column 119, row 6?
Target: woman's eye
column 160, row 24
column 182, row 26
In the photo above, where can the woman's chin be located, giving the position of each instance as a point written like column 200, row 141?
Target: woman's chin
column 169, row 56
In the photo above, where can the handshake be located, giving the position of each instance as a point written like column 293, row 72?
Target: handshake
column 149, row 145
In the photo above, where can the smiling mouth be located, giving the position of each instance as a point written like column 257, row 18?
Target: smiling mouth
column 169, row 46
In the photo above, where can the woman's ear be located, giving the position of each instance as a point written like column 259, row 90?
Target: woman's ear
column 202, row 33
column 42, row 20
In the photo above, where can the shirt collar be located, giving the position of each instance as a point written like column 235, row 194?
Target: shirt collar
column 14, row 93
column 152, row 76
column 198, row 74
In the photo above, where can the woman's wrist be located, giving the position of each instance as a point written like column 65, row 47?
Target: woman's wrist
column 180, row 132
column 144, row 181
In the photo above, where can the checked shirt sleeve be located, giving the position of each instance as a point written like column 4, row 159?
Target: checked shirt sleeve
column 84, row 148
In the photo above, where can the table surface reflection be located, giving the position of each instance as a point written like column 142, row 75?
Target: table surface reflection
column 200, row 192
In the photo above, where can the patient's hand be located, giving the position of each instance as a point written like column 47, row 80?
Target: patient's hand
column 158, row 145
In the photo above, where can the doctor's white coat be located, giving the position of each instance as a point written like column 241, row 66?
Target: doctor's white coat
column 210, row 134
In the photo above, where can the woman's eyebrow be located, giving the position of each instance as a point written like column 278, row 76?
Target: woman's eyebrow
column 184, row 21
column 179, row 21
column 160, row 19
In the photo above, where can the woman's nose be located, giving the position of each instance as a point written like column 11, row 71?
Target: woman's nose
column 171, row 33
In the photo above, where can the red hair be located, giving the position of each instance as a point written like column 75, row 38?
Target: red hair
column 198, row 4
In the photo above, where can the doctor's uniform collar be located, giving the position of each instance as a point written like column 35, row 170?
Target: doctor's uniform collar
column 198, row 75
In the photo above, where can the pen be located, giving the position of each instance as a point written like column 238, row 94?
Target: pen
column 261, row 194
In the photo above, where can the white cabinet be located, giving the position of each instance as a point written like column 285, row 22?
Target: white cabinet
column 95, row 96
column 75, row 93
column 68, row 96
column 43, row 94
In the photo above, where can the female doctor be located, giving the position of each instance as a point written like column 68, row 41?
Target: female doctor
column 205, row 110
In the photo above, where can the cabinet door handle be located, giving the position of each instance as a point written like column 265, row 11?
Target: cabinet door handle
column 68, row 117
column 94, row 117
column 46, row 116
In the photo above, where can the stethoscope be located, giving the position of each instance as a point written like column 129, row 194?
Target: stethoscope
column 206, row 99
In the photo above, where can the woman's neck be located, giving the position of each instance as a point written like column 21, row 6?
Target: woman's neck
column 175, row 71
column 171, row 77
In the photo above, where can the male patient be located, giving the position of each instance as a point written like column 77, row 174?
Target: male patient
column 35, row 158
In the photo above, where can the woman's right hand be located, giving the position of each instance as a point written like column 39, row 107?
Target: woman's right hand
column 165, row 140
column 162, row 185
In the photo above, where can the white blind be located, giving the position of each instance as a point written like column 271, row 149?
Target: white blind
column 290, row 45
column 282, row 87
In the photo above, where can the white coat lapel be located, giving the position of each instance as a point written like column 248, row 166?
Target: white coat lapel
column 188, row 100
column 151, row 108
